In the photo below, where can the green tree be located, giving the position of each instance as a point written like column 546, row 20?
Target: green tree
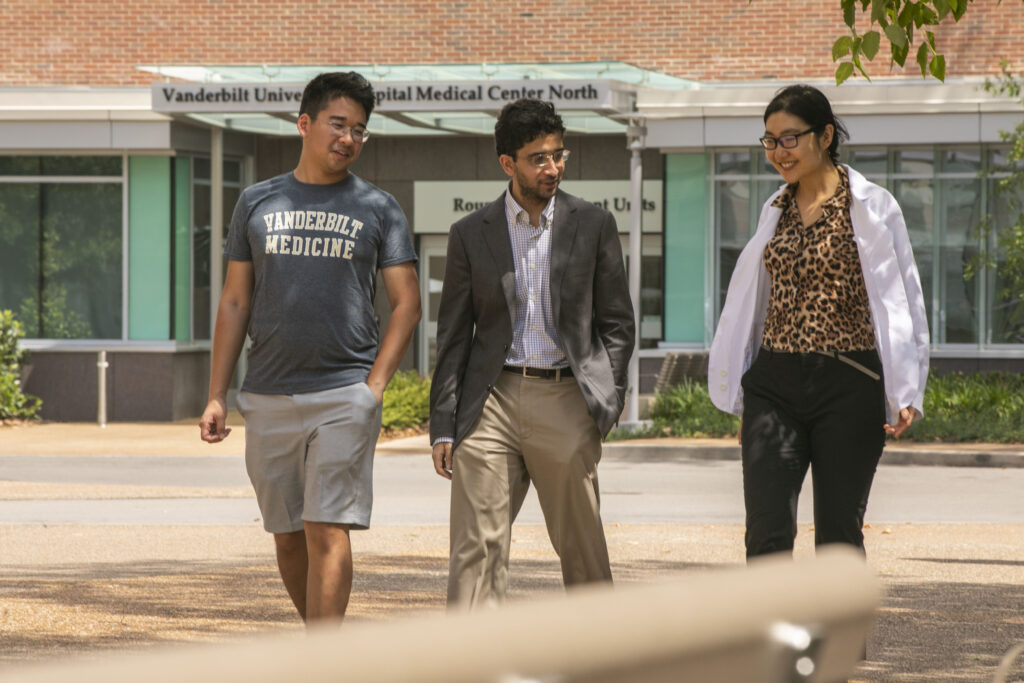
column 901, row 24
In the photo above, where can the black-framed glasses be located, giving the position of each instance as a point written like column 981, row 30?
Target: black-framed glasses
column 784, row 141
column 358, row 135
column 541, row 159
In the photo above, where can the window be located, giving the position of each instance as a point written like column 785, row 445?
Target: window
column 943, row 198
column 201, row 234
column 743, row 181
column 1006, row 321
column 652, row 287
column 61, row 225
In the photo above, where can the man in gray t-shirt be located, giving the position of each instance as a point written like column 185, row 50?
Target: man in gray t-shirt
column 304, row 250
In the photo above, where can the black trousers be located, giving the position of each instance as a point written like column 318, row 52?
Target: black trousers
column 805, row 410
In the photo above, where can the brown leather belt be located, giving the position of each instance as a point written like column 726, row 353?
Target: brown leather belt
column 839, row 357
column 541, row 373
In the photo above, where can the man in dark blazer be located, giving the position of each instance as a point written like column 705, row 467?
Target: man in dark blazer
column 534, row 335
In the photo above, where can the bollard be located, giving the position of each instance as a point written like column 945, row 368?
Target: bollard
column 101, row 398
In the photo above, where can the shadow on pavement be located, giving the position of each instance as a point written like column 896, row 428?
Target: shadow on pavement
column 943, row 632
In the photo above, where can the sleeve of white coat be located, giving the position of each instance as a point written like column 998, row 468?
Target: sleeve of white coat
column 915, row 296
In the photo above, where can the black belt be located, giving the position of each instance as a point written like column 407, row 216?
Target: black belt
column 542, row 373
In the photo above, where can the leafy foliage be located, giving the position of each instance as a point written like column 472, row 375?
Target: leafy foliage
column 901, row 22
column 13, row 403
column 972, row 407
column 406, row 401
column 60, row 320
column 685, row 410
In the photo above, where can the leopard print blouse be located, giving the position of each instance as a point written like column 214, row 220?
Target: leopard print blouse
column 818, row 299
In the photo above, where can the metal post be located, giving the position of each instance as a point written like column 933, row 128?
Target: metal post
column 101, row 397
column 635, row 135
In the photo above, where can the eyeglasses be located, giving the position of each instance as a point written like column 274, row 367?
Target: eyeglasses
column 358, row 135
column 785, row 141
column 541, row 159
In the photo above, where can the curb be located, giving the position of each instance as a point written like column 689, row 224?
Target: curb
column 623, row 450
column 697, row 452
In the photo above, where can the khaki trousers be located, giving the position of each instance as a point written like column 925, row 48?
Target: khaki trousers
column 535, row 430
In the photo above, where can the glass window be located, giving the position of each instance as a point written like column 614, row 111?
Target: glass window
column 871, row 163
column 201, row 234
column 732, row 163
column 959, row 212
column 60, row 166
column 940, row 191
column 743, row 181
column 652, row 288
column 914, row 189
column 1006, row 323
column 60, row 262
column 919, row 162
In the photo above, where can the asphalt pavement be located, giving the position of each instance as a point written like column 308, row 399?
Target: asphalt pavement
column 661, row 490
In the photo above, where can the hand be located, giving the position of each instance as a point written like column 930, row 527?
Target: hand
column 377, row 389
column 906, row 417
column 442, row 456
column 212, row 425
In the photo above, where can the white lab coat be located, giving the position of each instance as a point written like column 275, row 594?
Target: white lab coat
column 894, row 296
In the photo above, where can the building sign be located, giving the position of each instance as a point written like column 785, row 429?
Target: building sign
column 438, row 204
column 411, row 96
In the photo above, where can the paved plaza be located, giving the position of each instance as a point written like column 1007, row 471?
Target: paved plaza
column 133, row 536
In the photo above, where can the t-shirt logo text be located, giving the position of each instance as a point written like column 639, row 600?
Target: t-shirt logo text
column 316, row 221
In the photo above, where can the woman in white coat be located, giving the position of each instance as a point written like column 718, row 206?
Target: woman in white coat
column 822, row 345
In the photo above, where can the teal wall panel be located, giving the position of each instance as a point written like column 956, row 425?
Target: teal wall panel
column 149, row 245
column 686, row 246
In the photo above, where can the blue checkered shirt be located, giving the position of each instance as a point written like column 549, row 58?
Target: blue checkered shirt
column 535, row 341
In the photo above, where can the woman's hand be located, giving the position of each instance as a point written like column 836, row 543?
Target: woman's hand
column 906, row 417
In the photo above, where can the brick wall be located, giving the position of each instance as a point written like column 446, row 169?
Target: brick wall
column 100, row 42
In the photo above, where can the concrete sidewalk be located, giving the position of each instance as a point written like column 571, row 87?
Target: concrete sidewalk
column 953, row 600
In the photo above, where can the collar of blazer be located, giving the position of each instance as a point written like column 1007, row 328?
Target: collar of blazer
column 563, row 234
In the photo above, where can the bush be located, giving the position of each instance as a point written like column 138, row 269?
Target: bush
column 974, row 407
column 957, row 407
column 406, row 401
column 686, row 410
column 13, row 403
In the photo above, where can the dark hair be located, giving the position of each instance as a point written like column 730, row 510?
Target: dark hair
column 811, row 105
column 523, row 121
column 327, row 87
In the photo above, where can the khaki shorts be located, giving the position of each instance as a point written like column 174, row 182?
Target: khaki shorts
column 310, row 456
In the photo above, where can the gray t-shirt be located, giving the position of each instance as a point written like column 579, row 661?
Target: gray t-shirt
column 315, row 251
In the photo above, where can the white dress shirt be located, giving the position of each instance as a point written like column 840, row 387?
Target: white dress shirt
column 535, row 342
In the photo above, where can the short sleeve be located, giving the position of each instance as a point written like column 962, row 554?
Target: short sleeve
column 236, row 247
column 396, row 242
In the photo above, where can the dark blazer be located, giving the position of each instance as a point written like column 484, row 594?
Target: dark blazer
column 589, row 300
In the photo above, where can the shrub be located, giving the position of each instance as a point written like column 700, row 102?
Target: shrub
column 13, row 403
column 406, row 401
column 686, row 410
column 957, row 407
column 972, row 407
